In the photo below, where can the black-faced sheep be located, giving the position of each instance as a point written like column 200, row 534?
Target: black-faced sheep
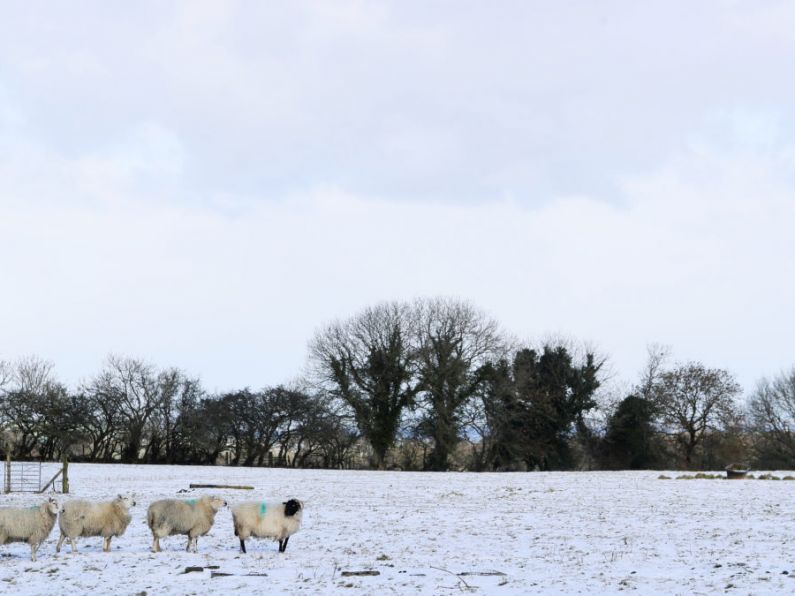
column 83, row 518
column 192, row 518
column 267, row 520
column 29, row 524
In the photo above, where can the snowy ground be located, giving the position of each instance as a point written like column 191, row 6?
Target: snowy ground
column 437, row 534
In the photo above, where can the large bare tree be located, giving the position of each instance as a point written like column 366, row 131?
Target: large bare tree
column 692, row 400
column 455, row 340
column 772, row 414
column 132, row 386
column 367, row 361
column 657, row 356
column 41, row 417
column 178, row 394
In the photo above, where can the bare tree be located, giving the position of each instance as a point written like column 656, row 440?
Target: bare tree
column 43, row 419
column 367, row 362
column 657, row 356
column 772, row 414
column 455, row 340
column 277, row 411
column 133, row 386
column 693, row 399
column 334, row 433
column 632, row 439
column 29, row 387
column 103, row 422
column 32, row 374
column 178, row 394
column 205, row 431
column 6, row 370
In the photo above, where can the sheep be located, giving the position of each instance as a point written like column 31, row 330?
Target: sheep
column 31, row 524
column 83, row 518
column 192, row 518
column 267, row 520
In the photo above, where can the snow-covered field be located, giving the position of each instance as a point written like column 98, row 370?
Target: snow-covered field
column 435, row 534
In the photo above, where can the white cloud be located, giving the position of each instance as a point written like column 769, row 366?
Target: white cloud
column 206, row 184
column 692, row 257
column 529, row 101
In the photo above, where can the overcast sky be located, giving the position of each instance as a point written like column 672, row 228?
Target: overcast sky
column 204, row 184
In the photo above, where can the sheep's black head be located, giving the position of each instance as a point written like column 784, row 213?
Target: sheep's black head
column 292, row 507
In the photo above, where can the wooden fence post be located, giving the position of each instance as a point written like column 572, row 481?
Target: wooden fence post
column 8, row 471
column 65, row 476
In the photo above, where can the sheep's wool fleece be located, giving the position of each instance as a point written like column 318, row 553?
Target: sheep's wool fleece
column 193, row 517
column 31, row 525
column 83, row 518
column 265, row 520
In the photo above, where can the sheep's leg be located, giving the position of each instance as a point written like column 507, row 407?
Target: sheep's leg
column 60, row 542
column 284, row 546
column 33, row 552
column 242, row 546
column 106, row 544
column 281, row 545
column 73, row 544
column 158, row 532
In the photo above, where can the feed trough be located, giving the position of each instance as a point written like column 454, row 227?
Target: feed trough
column 735, row 473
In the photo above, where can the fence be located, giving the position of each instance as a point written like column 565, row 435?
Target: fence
column 26, row 477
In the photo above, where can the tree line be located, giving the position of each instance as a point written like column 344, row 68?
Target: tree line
column 433, row 384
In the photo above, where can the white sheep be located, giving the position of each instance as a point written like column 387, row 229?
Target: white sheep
column 267, row 520
column 28, row 524
column 192, row 518
column 83, row 518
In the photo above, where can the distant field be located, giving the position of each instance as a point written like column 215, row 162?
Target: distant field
column 438, row 533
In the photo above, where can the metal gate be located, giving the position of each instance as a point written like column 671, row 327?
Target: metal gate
column 23, row 476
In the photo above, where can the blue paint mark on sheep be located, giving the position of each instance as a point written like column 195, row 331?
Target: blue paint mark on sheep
column 191, row 502
column 262, row 507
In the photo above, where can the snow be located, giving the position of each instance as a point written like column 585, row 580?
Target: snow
column 434, row 533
